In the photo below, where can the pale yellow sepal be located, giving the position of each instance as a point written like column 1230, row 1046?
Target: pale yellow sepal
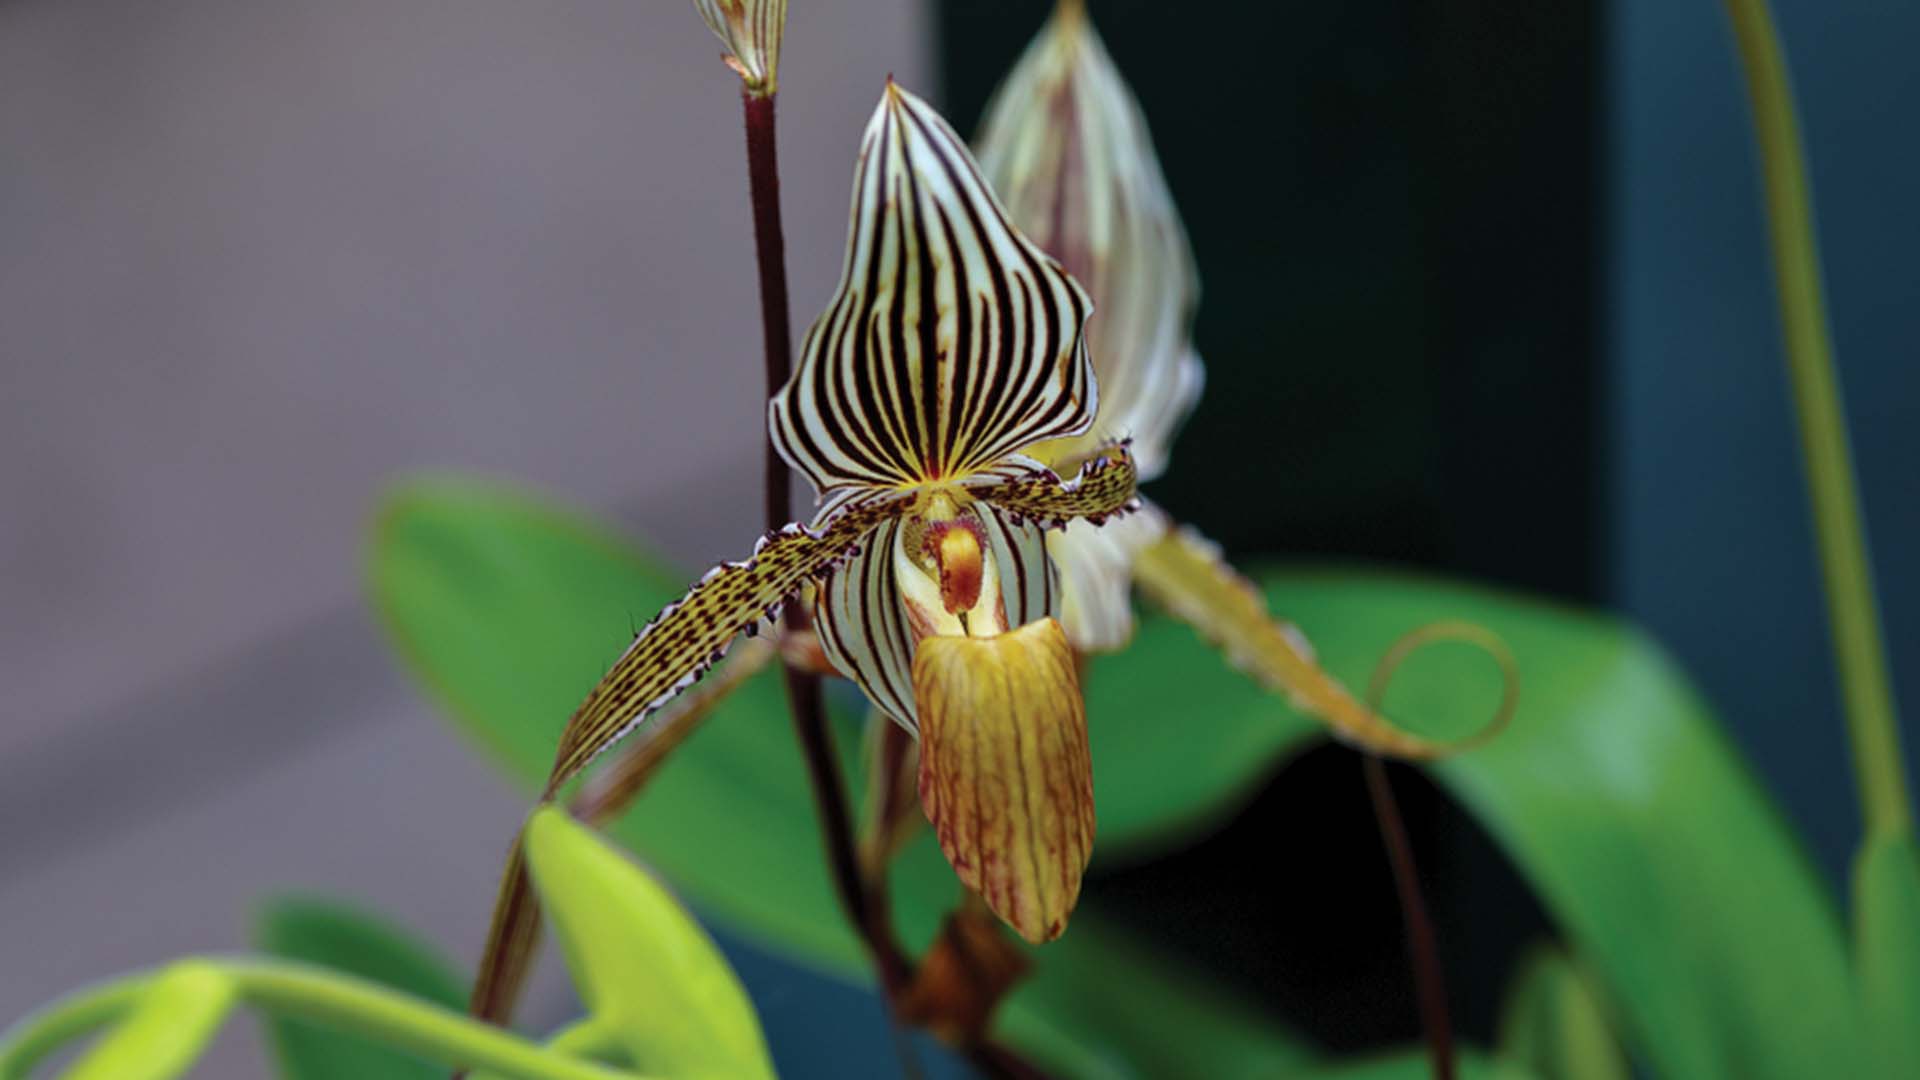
column 751, row 30
column 1184, row 573
column 1005, row 774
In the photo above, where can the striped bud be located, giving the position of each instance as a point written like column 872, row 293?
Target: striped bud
column 751, row 31
column 1066, row 147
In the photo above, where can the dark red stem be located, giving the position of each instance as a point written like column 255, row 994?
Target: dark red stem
column 803, row 688
column 1423, row 953
column 770, row 249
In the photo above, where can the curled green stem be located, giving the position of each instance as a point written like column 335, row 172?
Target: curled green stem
column 318, row 996
column 1860, row 655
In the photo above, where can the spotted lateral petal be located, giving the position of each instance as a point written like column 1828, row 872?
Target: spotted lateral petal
column 691, row 634
column 952, row 340
column 1104, row 487
column 1067, row 148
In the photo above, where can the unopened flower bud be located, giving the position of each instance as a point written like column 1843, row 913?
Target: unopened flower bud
column 751, row 31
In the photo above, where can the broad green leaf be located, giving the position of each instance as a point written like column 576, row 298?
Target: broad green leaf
column 644, row 968
column 166, row 1031
column 1886, row 905
column 1554, row 1022
column 336, row 936
column 1636, row 821
column 510, row 611
column 1168, row 763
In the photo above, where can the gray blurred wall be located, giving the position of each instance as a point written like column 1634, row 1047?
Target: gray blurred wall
column 256, row 259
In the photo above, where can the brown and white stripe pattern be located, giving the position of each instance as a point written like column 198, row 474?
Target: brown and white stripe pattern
column 951, row 342
column 860, row 610
column 751, row 30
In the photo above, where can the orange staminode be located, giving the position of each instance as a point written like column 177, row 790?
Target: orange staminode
column 954, row 547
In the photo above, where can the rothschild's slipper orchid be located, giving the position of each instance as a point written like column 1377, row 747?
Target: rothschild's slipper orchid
column 1066, row 147
column 952, row 345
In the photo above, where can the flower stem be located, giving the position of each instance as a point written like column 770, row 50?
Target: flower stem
column 803, row 688
column 770, row 252
column 322, row 997
column 1423, row 954
column 1859, row 652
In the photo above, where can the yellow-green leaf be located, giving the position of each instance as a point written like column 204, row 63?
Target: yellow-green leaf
column 165, row 1033
column 646, row 971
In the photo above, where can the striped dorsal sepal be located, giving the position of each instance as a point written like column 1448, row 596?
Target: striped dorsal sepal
column 691, row 634
column 951, row 342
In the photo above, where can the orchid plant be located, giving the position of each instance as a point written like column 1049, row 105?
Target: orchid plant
column 1007, row 355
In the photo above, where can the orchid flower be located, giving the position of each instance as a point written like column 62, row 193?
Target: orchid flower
column 1066, row 146
column 951, row 345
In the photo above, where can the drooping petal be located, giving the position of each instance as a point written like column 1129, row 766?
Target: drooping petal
column 1005, row 773
column 952, row 340
column 1096, row 575
column 1066, row 147
column 751, row 30
column 862, row 625
column 1104, row 487
column 1184, row 573
column 691, row 634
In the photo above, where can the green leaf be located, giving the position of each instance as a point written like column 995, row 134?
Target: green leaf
column 1555, row 1024
column 645, row 969
column 1166, row 763
column 336, row 936
column 1886, row 898
column 510, row 611
column 166, row 1031
column 1638, row 824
